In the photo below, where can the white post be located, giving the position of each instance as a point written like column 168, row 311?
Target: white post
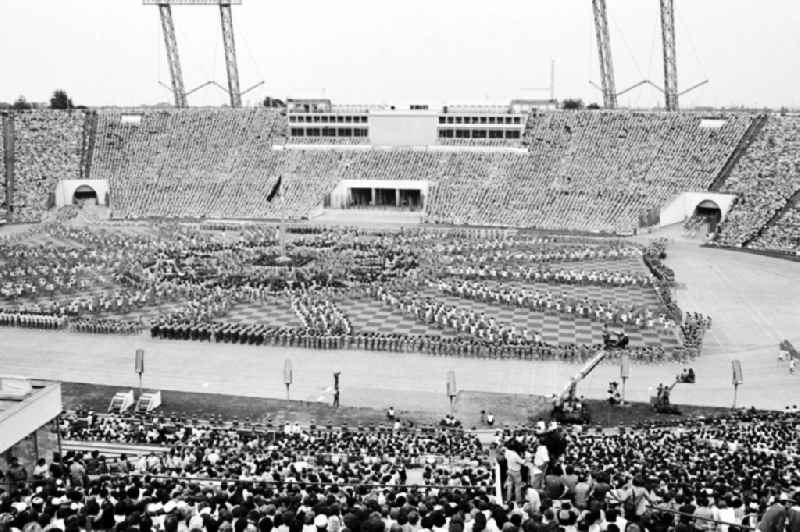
column 283, row 225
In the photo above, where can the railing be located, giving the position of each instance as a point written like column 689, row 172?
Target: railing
column 793, row 199
column 752, row 132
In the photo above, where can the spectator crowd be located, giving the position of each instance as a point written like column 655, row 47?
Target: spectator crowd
column 721, row 474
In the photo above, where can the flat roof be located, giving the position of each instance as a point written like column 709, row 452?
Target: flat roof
column 26, row 405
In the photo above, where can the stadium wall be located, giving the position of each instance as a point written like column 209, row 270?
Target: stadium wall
column 65, row 190
column 341, row 193
column 683, row 205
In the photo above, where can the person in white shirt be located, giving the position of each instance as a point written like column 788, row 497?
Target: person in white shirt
column 515, row 462
column 724, row 514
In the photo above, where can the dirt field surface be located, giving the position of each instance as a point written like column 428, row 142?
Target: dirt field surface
column 509, row 409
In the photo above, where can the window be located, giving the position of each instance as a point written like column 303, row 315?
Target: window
column 297, row 131
column 360, row 132
column 348, row 119
column 508, row 120
column 478, row 133
column 483, row 120
column 441, row 120
column 517, row 120
column 458, row 120
column 512, row 134
column 324, row 119
column 316, row 118
column 462, row 133
column 344, row 132
column 491, row 120
column 328, row 131
column 130, row 120
column 312, row 132
column 495, row 134
column 445, row 133
column 450, row 120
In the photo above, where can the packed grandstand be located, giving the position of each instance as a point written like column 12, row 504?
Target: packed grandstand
column 596, row 171
column 734, row 472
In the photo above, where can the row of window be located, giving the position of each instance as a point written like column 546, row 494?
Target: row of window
column 480, row 120
column 329, row 132
column 479, row 134
column 329, row 119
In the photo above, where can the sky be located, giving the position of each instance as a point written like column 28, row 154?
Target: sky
column 111, row 52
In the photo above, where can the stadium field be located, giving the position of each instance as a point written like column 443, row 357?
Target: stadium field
column 749, row 296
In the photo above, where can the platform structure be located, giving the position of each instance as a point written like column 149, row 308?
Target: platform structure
column 148, row 401
column 29, row 409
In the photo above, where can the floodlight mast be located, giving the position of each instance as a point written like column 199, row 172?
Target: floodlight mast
column 226, row 17
column 171, row 43
column 670, row 61
column 608, row 85
column 168, row 27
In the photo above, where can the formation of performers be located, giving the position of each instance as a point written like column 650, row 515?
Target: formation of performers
column 462, row 346
column 606, row 312
column 544, row 275
column 103, row 279
column 106, row 326
column 31, row 320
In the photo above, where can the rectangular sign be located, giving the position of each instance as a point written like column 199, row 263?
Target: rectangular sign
column 737, row 372
column 138, row 366
column 451, row 384
column 625, row 367
column 287, row 372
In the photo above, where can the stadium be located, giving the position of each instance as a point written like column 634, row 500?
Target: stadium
column 316, row 316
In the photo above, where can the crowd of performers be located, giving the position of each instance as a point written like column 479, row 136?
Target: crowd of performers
column 532, row 299
column 109, row 280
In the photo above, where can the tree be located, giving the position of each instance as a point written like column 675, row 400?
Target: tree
column 60, row 100
column 572, row 104
column 21, row 103
column 593, row 106
column 273, row 102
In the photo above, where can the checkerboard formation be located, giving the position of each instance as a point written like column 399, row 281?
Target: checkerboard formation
column 383, row 289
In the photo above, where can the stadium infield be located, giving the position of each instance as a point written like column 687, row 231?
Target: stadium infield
column 509, row 409
column 752, row 299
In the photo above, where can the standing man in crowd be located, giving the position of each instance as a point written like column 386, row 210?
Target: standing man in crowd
column 16, row 475
column 514, row 463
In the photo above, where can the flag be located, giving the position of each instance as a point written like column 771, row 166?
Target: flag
column 275, row 189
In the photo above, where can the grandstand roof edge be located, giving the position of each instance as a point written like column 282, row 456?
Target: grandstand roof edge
column 433, row 148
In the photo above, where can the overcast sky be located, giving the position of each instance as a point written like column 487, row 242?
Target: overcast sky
column 111, row 52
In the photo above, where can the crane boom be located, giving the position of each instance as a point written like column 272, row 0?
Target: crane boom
column 569, row 389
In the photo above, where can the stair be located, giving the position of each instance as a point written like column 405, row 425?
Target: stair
column 87, row 144
column 752, row 132
column 793, row 199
